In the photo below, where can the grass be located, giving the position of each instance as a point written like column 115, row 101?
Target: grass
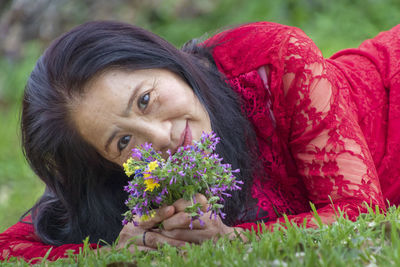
column 19, row 187
column 373, row 240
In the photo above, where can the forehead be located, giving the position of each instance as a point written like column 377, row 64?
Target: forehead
column 102, row 92
column 114, row 80
column 113, row 85
column 111, row 81
column 102, row 101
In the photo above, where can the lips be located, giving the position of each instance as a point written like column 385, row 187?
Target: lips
column 186, row 137
column 187, row 140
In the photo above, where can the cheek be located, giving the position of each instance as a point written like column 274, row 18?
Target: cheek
column 175, row 103
column 117, row 158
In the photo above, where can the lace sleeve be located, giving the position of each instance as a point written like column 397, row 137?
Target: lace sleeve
column 318, row 120
column 20, row 241
column 325, row 139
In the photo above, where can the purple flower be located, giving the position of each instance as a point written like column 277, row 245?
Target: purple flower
column 136, row 153
column 192, row 169
column 164, row 191
column 157, row 200
column 222, row 215
column 201, row 222
column 147, row 146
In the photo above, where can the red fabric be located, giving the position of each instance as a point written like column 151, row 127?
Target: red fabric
column 327, row 128
column 20, row 241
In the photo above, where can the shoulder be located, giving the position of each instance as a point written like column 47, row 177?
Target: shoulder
column 249, row 46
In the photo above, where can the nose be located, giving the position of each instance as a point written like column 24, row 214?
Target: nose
column 157, row 133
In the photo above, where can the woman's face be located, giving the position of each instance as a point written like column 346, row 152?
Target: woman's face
column 122, row 109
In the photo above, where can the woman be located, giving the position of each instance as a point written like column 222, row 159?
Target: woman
column 300, row 127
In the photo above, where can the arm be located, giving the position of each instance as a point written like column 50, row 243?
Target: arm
column 319, row 122
column 20, row 241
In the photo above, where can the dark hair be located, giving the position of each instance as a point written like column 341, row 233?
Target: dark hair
column 84, row 192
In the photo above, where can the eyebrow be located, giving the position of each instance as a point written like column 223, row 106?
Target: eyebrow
column 125, row 113
column 131, row 99
column 109, row 140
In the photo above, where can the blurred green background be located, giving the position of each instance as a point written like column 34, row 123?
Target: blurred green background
column 26, row 28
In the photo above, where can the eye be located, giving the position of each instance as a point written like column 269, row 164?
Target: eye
column 144, row 101
column 123, row 142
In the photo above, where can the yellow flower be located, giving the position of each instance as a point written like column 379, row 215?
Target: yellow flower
column 152, row 165
column 146, row 217
column 127, row 167
column 150, row 184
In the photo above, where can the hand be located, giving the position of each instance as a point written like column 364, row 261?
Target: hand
column 177, row 226
column 131, row 234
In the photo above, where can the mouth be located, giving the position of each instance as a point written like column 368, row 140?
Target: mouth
column 185, row 139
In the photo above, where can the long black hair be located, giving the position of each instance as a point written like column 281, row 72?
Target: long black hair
column 84, row 192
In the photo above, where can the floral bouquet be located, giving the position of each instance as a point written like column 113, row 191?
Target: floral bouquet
column 192, row 169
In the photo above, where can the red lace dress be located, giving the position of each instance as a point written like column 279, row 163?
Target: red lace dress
column 327, row 129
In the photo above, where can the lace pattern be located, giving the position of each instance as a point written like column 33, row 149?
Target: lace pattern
column 311, row 139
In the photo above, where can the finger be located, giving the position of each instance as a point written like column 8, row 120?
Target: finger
column 134, row 249
column 153, row 240
column 190, row 236
column 200, row 198
column 181, row 203
column 182, row 220
column 198, row 236
column 160, row 215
